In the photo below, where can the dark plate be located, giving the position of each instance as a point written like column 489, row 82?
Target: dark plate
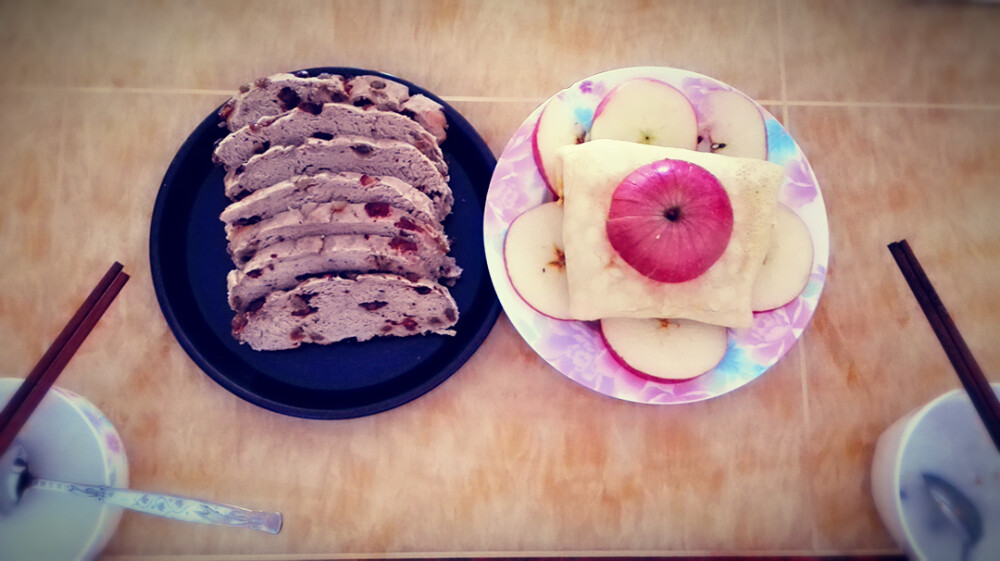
column 189, row 262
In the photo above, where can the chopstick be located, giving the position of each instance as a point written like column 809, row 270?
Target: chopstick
column 44, row 374
column 976, row 385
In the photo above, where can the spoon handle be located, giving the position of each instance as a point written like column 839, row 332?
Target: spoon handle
column 171, row 506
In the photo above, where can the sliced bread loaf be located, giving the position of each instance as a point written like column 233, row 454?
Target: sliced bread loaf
column 324, row 121
column 335, row 218
column 279, row 93
column 325, row 187
column 360, row 155
column 283, row 265
column 329, row 309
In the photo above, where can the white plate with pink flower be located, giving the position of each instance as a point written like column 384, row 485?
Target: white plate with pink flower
column 577, row 349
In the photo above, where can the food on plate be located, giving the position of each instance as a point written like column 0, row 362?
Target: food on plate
column 287, row 263
column 276, row 94
column 665, row 227
column 324, row 122
column 670, row 220
column 348, row 153
column 730, row 124
column 535, row 262
column 341, row 186
column 331, row 308
column 557, row 126
column 338, row 190
column 787, row 264
column 671, row 350
column 646, row 111
column 603, row 284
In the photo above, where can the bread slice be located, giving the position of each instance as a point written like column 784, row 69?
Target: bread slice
column 283, row 265
column 333, row 218
column 329, row 309
column 325, row 187
column 354, row 154
column 375, row 90
column 324, row 121
column 278, row 93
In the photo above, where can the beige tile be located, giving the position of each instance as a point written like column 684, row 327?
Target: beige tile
column 891, row 51
column 927, row 176
column 33, row 305
column 493, row 48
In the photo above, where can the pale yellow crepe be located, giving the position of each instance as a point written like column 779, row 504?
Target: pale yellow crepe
column 602, row 284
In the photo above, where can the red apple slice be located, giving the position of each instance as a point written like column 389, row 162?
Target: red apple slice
column 646, row 111
column 670, row 220
column 665, row 350
column 556, row 127
column 731, row 125
column 534, row 257
column 787, row 263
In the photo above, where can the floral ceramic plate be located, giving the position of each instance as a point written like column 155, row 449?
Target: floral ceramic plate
column 576, row 349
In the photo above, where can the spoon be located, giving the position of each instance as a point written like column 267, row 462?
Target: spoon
column 15, row 480
column 958, row 509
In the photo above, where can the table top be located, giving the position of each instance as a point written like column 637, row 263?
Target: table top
column 896, row 105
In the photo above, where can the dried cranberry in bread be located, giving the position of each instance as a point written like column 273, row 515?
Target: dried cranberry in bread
column 325, row 187
column 329, row 309
column 324, row 121
column 279, row 93
column 283, row 265
column 360, row 155
column 332, row 218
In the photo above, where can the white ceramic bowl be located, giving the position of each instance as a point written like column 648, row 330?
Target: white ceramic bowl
column 945, row 438
column 67, row 439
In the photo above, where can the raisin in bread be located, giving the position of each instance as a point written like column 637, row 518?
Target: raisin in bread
column 325, row 187
column 329, row 309
column 324, row 121
column 354, row 154
column 283, row 265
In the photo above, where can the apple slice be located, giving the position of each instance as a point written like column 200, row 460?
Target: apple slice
column 787, row 263
column 646, row 111
column 535, row 260
column 556, row 127
column 670, row 220
column 731, row 125
column 670, row 350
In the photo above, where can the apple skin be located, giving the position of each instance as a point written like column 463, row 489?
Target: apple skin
column 717, row 347
column 646, row 111
column 731, row 124
column 556, row 127
column 670, row 220
column 787, row 264
column 534, row 259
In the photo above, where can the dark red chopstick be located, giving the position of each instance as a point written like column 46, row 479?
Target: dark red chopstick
column 44, row 374
column 975, row 383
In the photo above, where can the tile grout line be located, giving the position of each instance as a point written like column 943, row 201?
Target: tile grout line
column 781, row 64
column 784, row 102
column 807, row 427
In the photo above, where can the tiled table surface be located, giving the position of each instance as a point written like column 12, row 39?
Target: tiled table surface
column 896, row 104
